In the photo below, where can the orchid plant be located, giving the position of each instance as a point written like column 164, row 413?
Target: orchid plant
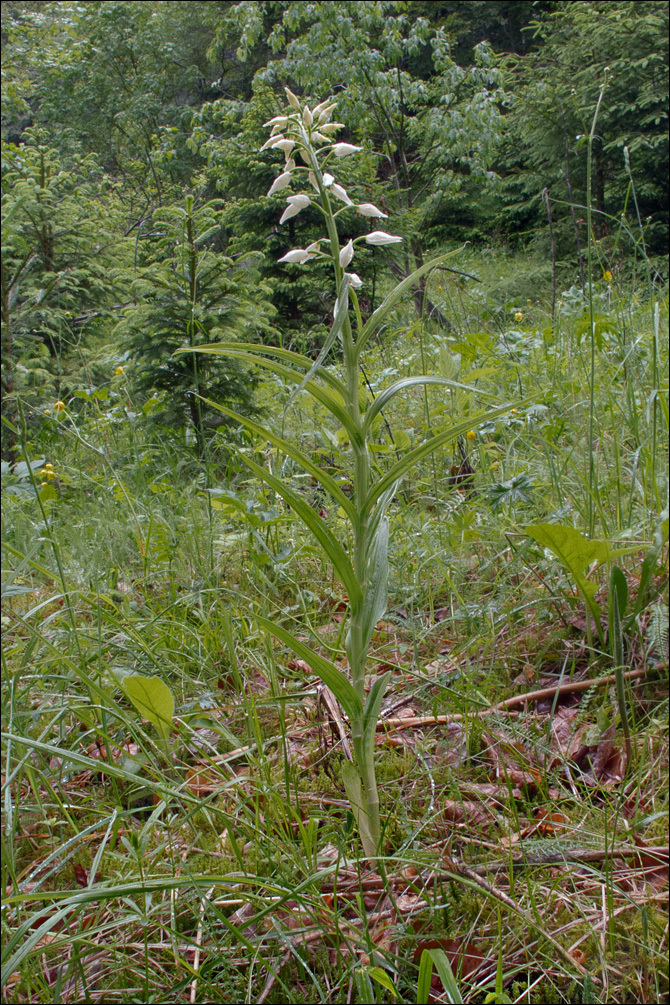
column 306, row 138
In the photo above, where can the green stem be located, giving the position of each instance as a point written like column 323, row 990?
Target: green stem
column 592, row 403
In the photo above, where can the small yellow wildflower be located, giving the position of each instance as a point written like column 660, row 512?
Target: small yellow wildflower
column 471, row 435
column 50, row 474
column 43, row 485
column 607, row 276
column 514, row 411
column 518, row 316
column 47, row 411
column 49, row 466
column 495, row 466
column 441, row 288
column 59, row 406
column 118, row 370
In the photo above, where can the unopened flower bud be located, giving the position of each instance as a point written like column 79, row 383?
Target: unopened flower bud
column 344, row 149
column 280, row 182
column 307, row 116
column 367, row 209
column 346, row 254
column 380, row 237
column 292, row 100
column 341, row 194
column 296, row 257
column 295, row 204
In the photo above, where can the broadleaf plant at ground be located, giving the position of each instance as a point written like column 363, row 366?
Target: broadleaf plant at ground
column 307, row 135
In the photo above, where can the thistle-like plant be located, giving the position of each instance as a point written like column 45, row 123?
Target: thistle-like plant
column 307, row 135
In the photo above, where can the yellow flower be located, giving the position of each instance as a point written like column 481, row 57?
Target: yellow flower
column 43, row 485
column 441, row 288
column 495, row 466
column 49, row 466
column 514, row 411
column 118, row 370
column 59, row 406
column 518, row 316
column 607, row 276
column 471, row 435
column 47, row 411
column 50, row 474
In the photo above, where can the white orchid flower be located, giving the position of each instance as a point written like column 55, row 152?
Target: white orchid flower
column 346, row 254
column 344, row 149
column 295, row 204
column 280, row 182
column 341, row 194
column 355, row 280
column 307, row 116
column 326, row 178
column 321, row 109
column 367, row 209
column 292, row 100
column 381, row 237
column 331, row 127
column 268, row 143
column 325, row 113
column 283, row 144
column 279, row 120
column 297, row 256
column 318, row 137
column 315, row 245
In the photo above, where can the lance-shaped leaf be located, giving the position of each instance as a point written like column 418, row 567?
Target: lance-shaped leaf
column 387, row 305
column 354, row 789
column 329, row 484
column 323, row 668
column 401, row 467
column 371, row 711
column 332, row 403
column 339, row 317
column 292, row 358
column 388, row 393
column 377, row 572
column 331, row 546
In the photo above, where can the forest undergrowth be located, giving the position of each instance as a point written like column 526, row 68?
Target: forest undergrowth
column 175, row 824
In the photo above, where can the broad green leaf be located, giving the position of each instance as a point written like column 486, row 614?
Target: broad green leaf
column 329, row 484
column 339, row 317
column 323, row 668
column 153, row 700
column 576, row 553
column 387, row 305
column 443, row 967
column 386, row 395
column 377, row 572
column 425, row 449
column 382, row 978
column 331, row 546
column 371, row 711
